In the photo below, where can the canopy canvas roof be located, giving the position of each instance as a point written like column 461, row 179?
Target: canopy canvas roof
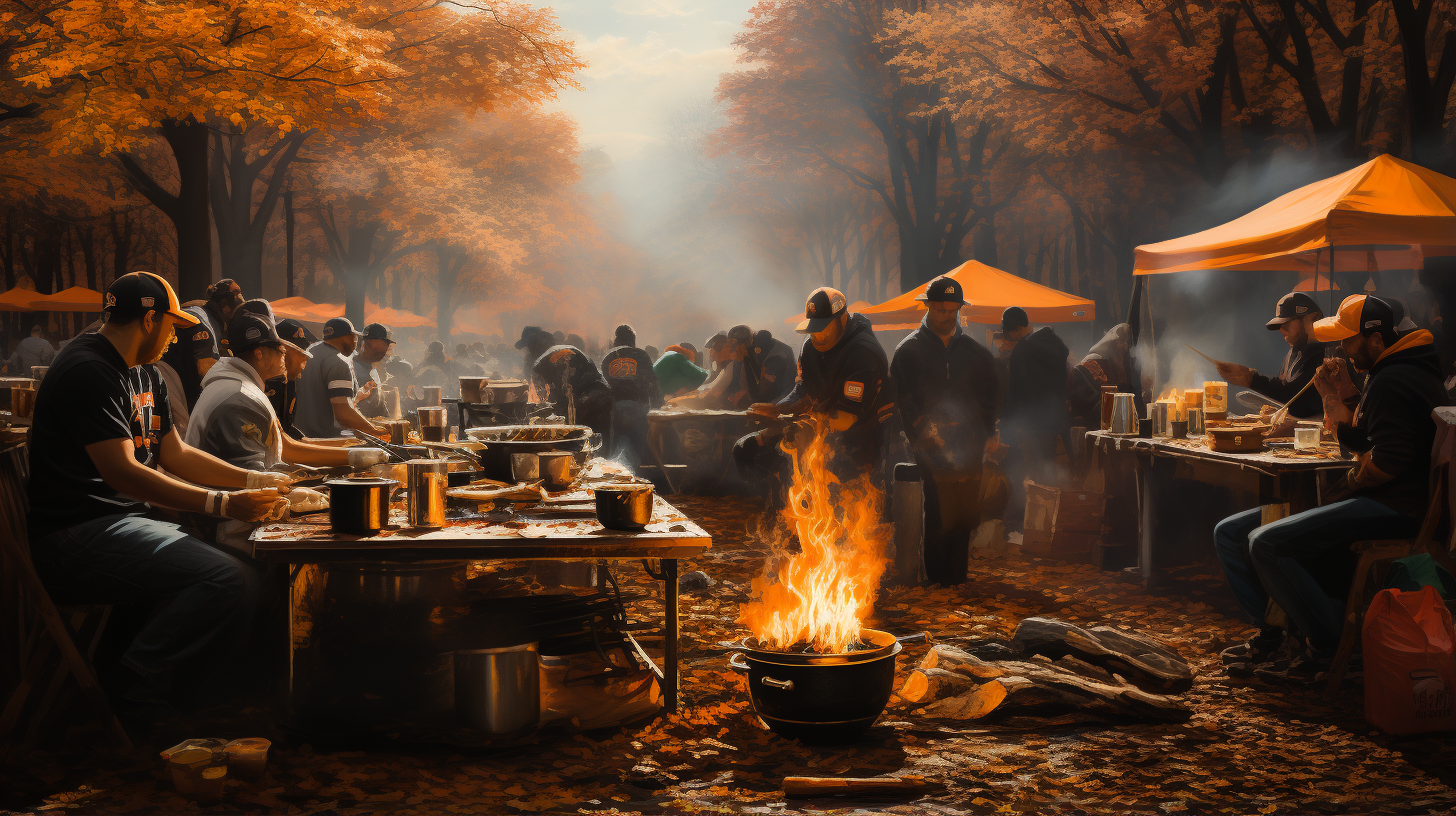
column 989, row 292
column 301, row 308
column 1383, row 211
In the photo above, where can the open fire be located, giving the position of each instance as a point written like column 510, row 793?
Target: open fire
column 816, row 596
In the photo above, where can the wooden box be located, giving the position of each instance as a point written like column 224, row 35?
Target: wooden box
column 1062, row 523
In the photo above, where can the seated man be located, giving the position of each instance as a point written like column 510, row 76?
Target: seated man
column 283, row 391
column 102, row 427
column 1303, row 562
column 729, row 389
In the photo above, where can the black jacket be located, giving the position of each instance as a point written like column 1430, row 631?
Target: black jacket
column 947, row 398
column 1036, row 387
column 1393, row 429
column 770, row 371
column 628, row 371
column 854, row 377
column 560, row 365
column 1300, row 365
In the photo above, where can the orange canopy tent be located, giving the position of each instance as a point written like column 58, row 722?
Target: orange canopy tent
column 989, row 292
column 301, row 308
column 18, row 300
column 1385, row 207
column 74, row 299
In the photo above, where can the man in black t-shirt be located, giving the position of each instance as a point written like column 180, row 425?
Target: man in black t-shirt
column 629, row 374
column 101, row 429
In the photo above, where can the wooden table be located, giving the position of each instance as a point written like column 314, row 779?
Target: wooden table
column 536, row 534
column 1285, row 484
column 713, row 461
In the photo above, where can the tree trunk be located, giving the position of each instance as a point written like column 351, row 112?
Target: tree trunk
column 188, row 208
column 288, row 239
column 1427, row 97
column 241, row 229
column 121, row 244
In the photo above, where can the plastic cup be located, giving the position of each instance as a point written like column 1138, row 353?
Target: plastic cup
column 248, row 757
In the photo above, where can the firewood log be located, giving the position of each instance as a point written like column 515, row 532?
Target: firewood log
column 929, row 685
column 959, row 660
column 1147, row 664
column 842, row 786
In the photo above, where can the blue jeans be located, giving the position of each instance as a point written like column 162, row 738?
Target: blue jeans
column 132, row 559
column 1303, row 562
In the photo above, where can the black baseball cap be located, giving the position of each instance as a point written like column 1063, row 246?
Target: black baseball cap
column 1014, row 318
column 247, row 330
column 526, row 335
column 944, row 289
column 761, row 340
column 377, row 331
column 225, row 289
column 742, row 334
column 338, row 327
column 823, row 306
column 133, row 295
column 1292, row 307
column 296, row 333
column 258, row 306
column 1359, row 314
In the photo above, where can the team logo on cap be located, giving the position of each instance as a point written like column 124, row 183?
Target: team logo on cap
column 254, row 334
column 149, row 302
column 110, row 300
column 1299, row 310
column 1371, row 323
column 950, row 290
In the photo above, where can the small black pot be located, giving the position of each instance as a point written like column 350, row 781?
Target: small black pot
column 359, row 506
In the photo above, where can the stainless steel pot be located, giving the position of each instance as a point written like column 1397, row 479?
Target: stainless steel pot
column 359, row 506
column 427, row 480
column 624, row 507
column 498, row 690
column 1124, row 416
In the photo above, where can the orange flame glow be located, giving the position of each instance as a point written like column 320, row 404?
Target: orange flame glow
column 818, row 594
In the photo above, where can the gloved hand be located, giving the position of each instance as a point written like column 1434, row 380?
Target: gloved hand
column 263, row 478
column 303, row 500
column 253, row 505
column 360, row 458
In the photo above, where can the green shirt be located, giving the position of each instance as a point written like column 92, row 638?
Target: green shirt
column 675, row 372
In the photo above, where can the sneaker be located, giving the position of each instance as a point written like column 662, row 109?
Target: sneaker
column 1304, row 671
column 1259, row 649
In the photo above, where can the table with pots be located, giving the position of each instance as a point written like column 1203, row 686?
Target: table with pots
column 369, row 577
column 693, row 447
column 1191, row 435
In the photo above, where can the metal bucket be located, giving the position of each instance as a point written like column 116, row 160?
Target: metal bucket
column 426, row 480
column 498, row 690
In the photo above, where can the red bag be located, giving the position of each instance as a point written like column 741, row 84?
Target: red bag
column 1410, row 662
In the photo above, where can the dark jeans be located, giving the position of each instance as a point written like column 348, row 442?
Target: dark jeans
column 629, row 432
column 952, row 514
column 1303, row 562
column 131, row 559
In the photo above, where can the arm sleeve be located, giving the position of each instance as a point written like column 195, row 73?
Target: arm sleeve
column 902, row 374
column 200, row 344
column 988, row 392
column 238, row 434
column 1394, row 437
column 797, row 394
column 339, row 378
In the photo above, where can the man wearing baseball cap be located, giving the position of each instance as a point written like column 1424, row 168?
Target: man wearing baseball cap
column 572, row 381
column 102, row 452
column 283, row 391
column 328, row 389
column 1035, row 412
column 1294, row 317
column 375, row 343
column 945, row 387
column 1303, row 562
column 843, row 382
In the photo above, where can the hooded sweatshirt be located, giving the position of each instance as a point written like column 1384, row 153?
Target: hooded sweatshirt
column 853, row 376
column 1393, row 430
column 233, row 419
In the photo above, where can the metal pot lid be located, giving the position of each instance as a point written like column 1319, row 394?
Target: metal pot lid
column 369, row 481
column 885, row 646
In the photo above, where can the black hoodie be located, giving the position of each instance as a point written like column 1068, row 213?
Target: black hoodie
column 853, row 377
column 1036, row 385
column 1393, row 429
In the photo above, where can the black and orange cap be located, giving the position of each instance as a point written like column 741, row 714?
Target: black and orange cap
column 823, row 306
column 133, row 295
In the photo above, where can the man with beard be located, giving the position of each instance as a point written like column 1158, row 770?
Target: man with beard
column 945, row 385
column 282, row 391
column 374, row 345
column 102, row 451
column 843, row 383
column 1303, row 562
column 1294, row 318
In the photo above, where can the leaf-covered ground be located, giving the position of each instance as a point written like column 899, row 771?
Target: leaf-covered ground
column 1248, row 748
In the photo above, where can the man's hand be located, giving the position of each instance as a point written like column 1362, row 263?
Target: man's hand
column 251, row 505
column 1332, row 379
column 764, row 409
column 1235, row 374
column 364, row 391
column 260, row 478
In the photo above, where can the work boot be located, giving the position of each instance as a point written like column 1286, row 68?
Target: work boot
column 1306, row 670
column 1258, row 649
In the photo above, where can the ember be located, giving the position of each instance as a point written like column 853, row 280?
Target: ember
column 814, row 599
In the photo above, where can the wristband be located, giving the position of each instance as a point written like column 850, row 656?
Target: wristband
column 222, row 504
column 210, row 502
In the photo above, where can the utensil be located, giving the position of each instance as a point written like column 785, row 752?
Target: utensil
column 399, row 453
column 1108, row 393
column 624, row 507
column 1158, row 416
column 359, row 506
column 498, row 690
column 1178, row 429
column 499, row 442
column 558, row 468
column 1253, row 400
column 427, row 480
column 1201, row 354
column 1283, row 412
column 1124, row 420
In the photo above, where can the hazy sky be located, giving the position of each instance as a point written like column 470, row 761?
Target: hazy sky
column 647, row 58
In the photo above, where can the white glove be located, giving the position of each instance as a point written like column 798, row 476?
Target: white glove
column 360, row 458
column 303, row 500
column 263, row 478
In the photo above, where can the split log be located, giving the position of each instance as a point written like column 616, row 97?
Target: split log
column 1145, row 663
column 846, row 786
column 930, row 684
column 1037, row 685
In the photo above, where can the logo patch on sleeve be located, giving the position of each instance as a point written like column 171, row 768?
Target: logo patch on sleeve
column 854, row 390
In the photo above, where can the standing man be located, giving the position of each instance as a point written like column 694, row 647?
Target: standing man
column 375, row 344
column 34, row 350
column 327, row 389
column 1036, row 396
column 102, row 429
column 1294, row 317
column 770, row 364
column 945, row 384
column 1303, row 562
column 843, row 381
column 629, row 373
column 574, row 385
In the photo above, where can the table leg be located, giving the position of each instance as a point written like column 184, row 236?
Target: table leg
column 1144, row 473
column 654, row 450
column 670, row 635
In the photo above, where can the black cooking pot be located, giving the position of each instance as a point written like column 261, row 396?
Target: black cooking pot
column 359, row 506
column 820, row 698
column 498, row 443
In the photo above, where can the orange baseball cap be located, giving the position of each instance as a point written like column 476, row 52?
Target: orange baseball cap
column 134, row 294
column 824, row 304
column 1359, row 314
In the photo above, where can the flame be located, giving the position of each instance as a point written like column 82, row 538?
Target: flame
column 819, row 594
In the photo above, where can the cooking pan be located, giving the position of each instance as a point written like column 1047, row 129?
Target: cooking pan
column 498, row 443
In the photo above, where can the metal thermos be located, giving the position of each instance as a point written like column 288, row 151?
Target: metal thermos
column 392, row 409
column 432, row 423
column 908, row 507
column 427, row 480
column 498, row 690
column 1195, row 421
column 1162, row 423
column 1124, row 416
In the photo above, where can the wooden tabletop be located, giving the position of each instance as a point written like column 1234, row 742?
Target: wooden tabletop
column 534, row 533
column 693, row 413
column 1266, row 460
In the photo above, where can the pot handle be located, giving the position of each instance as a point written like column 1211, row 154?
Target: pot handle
column 786, row 685
column 918, row 637
column 737, row 663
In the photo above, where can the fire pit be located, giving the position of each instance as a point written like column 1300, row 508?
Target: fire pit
column 818, row 697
